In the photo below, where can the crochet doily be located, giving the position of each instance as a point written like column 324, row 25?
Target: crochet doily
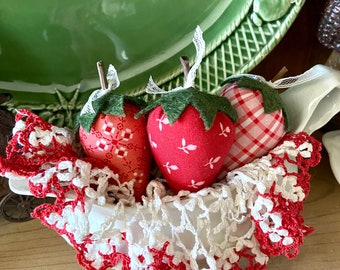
column 238, row 223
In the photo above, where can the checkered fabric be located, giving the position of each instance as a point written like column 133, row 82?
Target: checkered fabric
column 256, row 132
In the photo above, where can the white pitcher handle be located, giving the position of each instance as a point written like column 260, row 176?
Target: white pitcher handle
column 314, row 102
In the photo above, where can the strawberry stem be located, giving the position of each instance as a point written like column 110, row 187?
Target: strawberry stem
column 283, row 71
column 102, row 76
column 186, row 66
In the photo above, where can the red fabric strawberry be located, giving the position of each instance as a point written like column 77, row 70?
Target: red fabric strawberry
column 190, row 132
column 109, row 132
column 262, row 121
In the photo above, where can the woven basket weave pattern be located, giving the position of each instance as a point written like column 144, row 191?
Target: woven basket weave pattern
column 239, row 53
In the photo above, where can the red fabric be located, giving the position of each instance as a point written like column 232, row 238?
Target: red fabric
column 189, row 156
column 122, row 143
column 256, row 132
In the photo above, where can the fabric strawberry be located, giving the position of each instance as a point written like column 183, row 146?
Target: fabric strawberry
column 108, row 131
column 262, row 121
column 190, row 132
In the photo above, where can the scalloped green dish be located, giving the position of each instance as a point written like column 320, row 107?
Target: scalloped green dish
column 49, row 49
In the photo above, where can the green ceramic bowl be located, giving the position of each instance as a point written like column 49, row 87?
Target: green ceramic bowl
column 49, row 49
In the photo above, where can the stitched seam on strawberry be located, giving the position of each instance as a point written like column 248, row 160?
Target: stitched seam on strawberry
column 111, row 104
column 174, row 103
column 271, row 98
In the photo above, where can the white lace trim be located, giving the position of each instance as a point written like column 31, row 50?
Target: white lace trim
column 189, row 80
column 204, row 229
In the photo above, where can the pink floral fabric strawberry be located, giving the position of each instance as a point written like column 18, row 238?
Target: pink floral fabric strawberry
column 108, row 131
column 188, row 155
column 258, row 129
column 121, row 142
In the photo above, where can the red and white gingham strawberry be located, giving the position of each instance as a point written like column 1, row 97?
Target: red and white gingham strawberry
column 262, row 121
column 190, row 132
column 109, row 132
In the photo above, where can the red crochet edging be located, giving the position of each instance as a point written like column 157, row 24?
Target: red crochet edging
column 30, row 166
column 292, row 220
column 18, row 147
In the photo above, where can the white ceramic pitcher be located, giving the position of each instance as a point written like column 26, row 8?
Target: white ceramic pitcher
column 311, row 102
column 313, row 99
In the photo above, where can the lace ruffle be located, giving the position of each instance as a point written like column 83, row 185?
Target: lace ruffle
column 238, row 223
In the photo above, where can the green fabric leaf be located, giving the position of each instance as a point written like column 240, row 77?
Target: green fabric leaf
column 271, row 98
column 174, row 103
column 110, row 103
column 86, row 121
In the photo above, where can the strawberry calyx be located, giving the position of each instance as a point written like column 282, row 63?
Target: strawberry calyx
column 174, row 103
column 110, row 104
column 104, row 100
column 271, row 98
